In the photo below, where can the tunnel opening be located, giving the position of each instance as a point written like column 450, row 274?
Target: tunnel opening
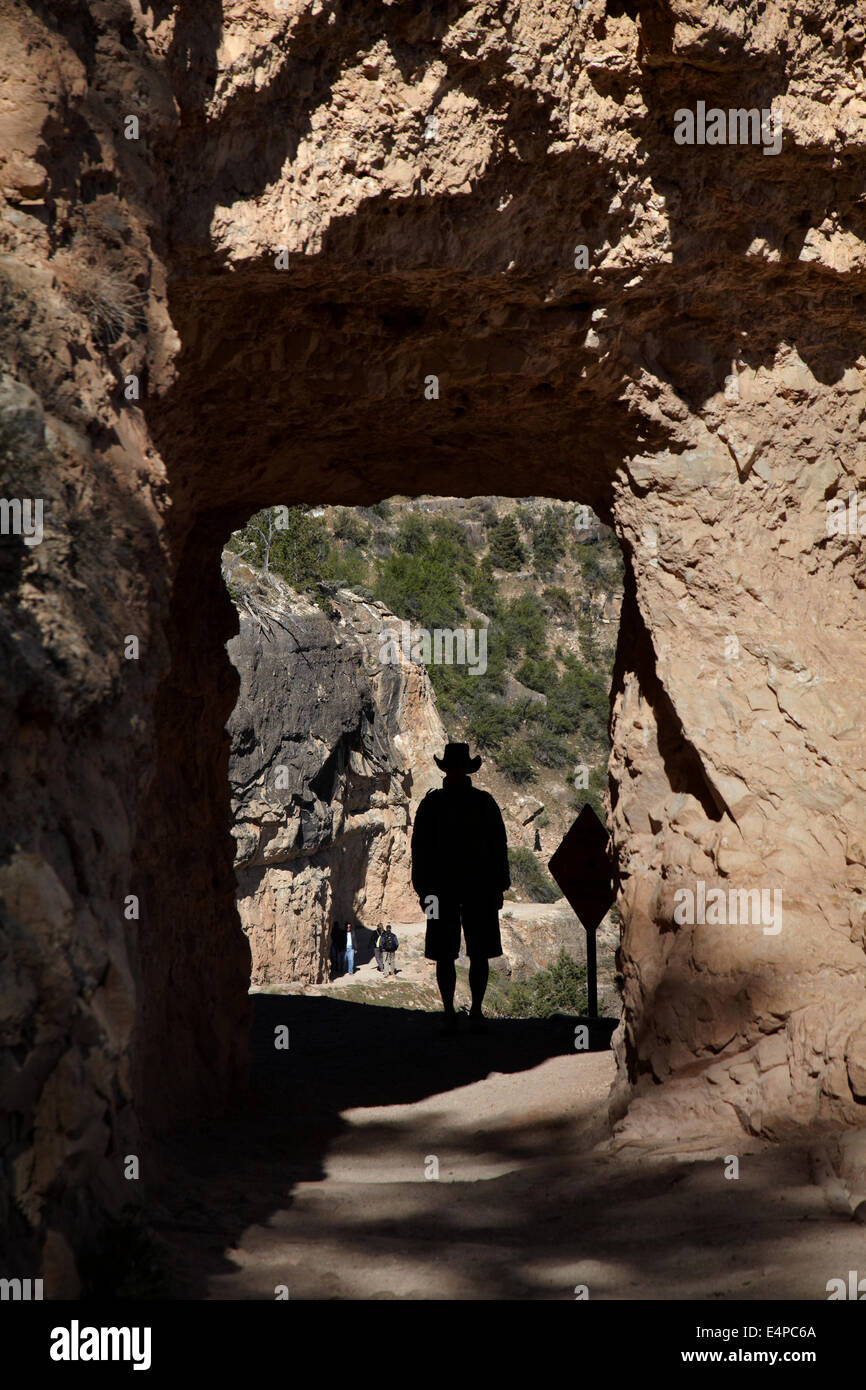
column 394, row 251
column 328, row 748
column 370, row 637
column 447, row 376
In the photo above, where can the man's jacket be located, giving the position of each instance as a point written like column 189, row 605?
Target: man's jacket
column 459, row 845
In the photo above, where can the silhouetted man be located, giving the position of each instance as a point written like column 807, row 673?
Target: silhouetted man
column 460, row 859
column 338, row 948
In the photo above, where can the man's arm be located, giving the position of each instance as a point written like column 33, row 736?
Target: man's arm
column 500, row 847
column 421, row 850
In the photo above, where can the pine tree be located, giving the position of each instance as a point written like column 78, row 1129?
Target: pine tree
column 507, row 551
column 548, row 541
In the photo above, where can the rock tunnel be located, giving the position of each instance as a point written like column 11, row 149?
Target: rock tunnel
column 355, row 250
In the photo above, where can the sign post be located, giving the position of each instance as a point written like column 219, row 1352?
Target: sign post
column 581, row 868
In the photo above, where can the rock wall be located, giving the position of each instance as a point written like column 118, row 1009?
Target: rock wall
column 331, row 752
column 697, row 377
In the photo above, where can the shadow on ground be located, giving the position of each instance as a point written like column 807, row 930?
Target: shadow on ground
column 301, row 1188
column 218, row 1180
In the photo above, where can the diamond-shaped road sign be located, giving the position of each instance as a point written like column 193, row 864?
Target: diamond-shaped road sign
column 581, row 868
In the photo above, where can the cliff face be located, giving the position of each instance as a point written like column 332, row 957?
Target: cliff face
column 331, row 752
column 697, row 376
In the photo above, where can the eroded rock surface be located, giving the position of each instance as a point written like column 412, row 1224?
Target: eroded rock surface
column 331, row 752
column 700, row 383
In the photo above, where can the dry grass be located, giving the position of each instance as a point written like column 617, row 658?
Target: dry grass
column 112, row 304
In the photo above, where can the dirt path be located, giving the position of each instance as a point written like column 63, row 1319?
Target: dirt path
column 378, row 1159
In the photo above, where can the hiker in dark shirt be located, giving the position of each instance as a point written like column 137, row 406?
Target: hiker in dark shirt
column 390, row 944
column 338, row 949
column 460, row 872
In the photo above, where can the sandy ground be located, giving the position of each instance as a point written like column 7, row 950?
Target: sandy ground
column 379, row 1160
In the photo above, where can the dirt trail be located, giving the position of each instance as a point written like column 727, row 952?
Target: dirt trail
column 379, row 1159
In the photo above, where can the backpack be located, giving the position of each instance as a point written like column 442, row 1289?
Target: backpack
column 388, row 941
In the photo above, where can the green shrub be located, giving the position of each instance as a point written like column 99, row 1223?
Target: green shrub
column 523, row 626
column 548, row 749
column 481, row 591
column 448, row 546
column 538, row 675
column 297, row 551
column 600, row 561
column 515, row 760
column 559, row 990
column 412, row 536
column 382, row 543
column 507, row 550
column 529, row 878
column 548, row 540
column 420, row 588
column 586, row 554
column 558, row 601
column 588, row 642
column 345, row 566
column 580, row 703
column 489, row 723
column 347, row 526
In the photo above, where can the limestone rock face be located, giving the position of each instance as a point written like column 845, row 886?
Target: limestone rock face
column 332, row 748
column 246, row 295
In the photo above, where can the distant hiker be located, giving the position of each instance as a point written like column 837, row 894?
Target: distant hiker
column 460, row 860
column 338, row 949
column 377, row 949
column 389, row 950
column 350, row 950
column 537, row 841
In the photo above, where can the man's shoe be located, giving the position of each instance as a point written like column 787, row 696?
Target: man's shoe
column 477, row 1023
column 449, row 1025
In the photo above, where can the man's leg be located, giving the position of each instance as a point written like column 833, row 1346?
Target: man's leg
column 479, row 972
column 446, row 979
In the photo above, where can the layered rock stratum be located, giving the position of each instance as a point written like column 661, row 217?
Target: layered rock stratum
column 332, row 749
column 238, row 244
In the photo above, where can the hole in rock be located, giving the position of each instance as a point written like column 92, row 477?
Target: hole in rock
column 368, row 638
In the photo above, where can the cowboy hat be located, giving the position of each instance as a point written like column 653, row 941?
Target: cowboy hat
column 456, row 759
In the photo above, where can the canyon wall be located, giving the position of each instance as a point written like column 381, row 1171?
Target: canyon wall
column 332, row 749
column 334, row 252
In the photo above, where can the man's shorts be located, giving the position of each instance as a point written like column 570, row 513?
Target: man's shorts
column 480, row 922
